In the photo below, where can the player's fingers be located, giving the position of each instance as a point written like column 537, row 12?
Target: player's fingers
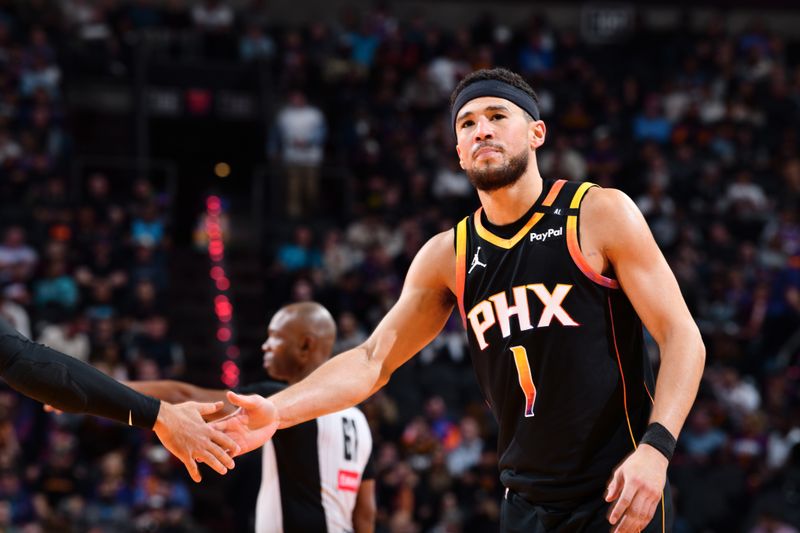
column 614, row 486
column 638, row 514
column 624, row 526
column 224, row 457
column 247, row 402
column 191, row 467
column 621, row 505
column 649, row 510
column 208, row 458
column 209, row 408
column 226, row 443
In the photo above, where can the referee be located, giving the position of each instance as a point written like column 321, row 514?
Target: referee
column 316, row 476
column 72, row 386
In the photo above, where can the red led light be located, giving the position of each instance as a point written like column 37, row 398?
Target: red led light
column 216, row 272
column 213, row 203
column 223, row 334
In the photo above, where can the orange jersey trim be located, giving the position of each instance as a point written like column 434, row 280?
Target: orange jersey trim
column 648, row 393
column 500, row 242
column 576, row 200
column 579, row 259
column 461, row 266
column 574, row 246
column 554, row 190
column 621, row 374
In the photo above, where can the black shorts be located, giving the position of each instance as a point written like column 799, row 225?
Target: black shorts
column 518, row 515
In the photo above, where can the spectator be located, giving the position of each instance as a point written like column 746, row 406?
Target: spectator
column 16, row 254
column 470, row 447
column 300, row 132
column 213, row 16
column 300, row 254
column 256, row 45
column 153, row 343
column 68, row 336
column 57, row 288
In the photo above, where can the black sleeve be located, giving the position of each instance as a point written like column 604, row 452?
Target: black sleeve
column 68, row 384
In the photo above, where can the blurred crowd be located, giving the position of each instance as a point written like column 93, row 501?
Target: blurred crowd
column 83, row 269
column 698, row 126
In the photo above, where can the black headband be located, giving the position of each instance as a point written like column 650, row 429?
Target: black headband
column 497, row 88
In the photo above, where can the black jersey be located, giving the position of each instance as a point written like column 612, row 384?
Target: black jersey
column 557, row 349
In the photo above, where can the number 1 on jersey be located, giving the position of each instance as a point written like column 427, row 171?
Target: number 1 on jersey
column 525, row 379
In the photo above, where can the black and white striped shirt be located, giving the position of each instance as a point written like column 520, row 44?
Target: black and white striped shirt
column 311, row 472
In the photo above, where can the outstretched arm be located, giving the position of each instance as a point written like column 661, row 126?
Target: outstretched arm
column 173, row 391
column 612, row 224
column 347, row 379
column 75, row 387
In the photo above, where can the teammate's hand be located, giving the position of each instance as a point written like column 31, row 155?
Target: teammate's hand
column 636, row 488
column 183, row 432
column 252, row 424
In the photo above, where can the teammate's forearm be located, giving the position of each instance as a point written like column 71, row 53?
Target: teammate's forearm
column 173, row 391
column 170, row 390
column 67, row 384
column 344, row 381
column 682, row 363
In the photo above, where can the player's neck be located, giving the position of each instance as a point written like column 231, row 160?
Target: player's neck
column 508, row 204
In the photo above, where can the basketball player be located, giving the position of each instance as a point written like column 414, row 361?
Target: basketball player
column 553, row 281
column 316, row 476
column 72, row 386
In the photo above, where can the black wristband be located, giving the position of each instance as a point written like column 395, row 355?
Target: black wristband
column 659, row 438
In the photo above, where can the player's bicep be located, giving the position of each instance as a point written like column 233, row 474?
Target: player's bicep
column 643, row 272
column 423, row 308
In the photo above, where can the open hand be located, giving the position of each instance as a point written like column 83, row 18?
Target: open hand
column 183, row 432
column 252, row 424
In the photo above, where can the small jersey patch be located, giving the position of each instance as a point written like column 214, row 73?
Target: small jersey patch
column 348, row 480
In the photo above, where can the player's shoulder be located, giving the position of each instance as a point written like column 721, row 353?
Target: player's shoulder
column 610, row 206
column 434, row 264
column 442, row 243
column 613, row 222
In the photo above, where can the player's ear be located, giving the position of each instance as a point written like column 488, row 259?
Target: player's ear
column 537, row 131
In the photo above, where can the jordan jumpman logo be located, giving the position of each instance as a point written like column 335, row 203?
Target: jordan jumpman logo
column 476, row 261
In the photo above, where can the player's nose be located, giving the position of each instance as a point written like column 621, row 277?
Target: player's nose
column 483, row 129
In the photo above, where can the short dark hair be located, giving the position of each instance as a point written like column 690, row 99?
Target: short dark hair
column 499, row 74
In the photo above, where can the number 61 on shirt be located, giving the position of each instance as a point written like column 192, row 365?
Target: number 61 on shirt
column 525, row 378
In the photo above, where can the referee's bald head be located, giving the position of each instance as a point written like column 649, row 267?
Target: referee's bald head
column 314, row 320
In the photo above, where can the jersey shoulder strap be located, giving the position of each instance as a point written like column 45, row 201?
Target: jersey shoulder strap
column 461, row 266
column 578, row 192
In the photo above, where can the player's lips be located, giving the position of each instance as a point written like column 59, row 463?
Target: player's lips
column 267, row 359
column 485, row 151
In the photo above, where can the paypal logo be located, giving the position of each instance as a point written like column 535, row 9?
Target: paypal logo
column 552, row 232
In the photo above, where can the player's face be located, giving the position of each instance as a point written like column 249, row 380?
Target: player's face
column 282, row 347
column 495, row 141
